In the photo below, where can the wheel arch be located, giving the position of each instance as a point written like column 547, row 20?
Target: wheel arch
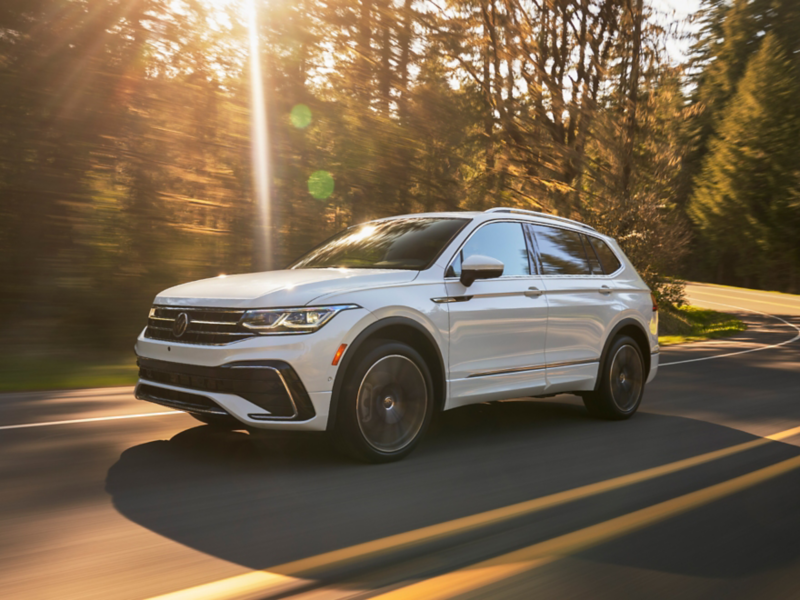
column 634, row 329
column 401, row 329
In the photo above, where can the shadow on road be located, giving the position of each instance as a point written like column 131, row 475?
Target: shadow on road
column 264, row 501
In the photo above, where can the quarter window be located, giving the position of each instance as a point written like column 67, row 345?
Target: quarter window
column 560, row 251
column 607, row 257
column 594, row 263
column 503, row 241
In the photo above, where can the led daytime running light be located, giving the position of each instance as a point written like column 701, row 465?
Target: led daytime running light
column 291, row 320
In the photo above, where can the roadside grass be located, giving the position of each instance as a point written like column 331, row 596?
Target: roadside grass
column 19, row 374
column 678, row 325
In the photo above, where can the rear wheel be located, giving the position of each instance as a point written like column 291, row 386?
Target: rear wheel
column 386, row 403
column 621, row 385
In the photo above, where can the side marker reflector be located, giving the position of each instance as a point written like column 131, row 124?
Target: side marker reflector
column 338, row 356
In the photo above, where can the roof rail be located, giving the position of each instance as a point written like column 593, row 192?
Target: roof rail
column 540, row 214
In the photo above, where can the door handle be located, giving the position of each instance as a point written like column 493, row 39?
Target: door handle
column 605, row 290
column 533, row 292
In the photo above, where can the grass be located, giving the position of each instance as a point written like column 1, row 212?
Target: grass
column 679, row 325
column 19, row 374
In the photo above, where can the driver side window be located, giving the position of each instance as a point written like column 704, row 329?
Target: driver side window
column 503, row 241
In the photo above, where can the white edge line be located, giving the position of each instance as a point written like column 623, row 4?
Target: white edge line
column 90, row 420
column 794, row 339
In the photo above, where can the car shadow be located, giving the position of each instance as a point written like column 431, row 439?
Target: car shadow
column 263, row 501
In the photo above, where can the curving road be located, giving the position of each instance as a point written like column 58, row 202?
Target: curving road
column 698, row 496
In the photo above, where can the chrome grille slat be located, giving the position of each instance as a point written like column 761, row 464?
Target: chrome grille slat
column 208, row 326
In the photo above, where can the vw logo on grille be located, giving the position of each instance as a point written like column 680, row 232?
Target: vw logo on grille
column 180, row 325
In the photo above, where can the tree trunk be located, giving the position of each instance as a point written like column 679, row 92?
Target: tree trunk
column 404, row 52
column 630, row 128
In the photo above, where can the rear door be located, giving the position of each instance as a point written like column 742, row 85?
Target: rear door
column 580, row 302
column 497, row 326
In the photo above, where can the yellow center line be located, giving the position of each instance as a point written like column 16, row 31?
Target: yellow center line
column 282, row 578
column 496, row 569
column 692, row 293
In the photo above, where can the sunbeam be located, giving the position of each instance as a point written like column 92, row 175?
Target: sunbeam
column 259, row 141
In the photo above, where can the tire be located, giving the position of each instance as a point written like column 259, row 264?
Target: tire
column 621, row 386
column 219, row 421
column 386, row 403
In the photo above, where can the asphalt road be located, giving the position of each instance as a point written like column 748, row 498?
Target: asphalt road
column 690, row 498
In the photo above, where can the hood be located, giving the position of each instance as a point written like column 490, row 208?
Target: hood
column 278, row 289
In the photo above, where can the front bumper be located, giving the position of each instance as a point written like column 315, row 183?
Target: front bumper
column 302, row 361
column 271, row 386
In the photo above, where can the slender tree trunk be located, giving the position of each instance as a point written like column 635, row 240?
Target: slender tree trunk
column 488, row 118
column 404, row 53
column 363, row 79
column 385, row 73
column 633, row 93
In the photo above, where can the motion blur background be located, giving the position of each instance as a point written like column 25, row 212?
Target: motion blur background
column 128, row 130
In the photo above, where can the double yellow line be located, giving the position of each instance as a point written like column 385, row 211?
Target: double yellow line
column 284, row 578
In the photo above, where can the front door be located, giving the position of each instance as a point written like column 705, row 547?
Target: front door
column 497, row 326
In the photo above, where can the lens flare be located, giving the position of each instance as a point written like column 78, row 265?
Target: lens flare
column 259, row 140
column 300, row 116
column 320, row 184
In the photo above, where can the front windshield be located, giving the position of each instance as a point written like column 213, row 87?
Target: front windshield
column 410, row 244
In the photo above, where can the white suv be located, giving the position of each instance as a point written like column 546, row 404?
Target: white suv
column 387, row 322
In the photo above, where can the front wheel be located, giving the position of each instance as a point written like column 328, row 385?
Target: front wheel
column 386, row 403
column 621, row 384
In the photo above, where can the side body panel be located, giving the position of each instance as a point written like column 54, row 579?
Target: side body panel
column 580, row 310
column 497, row 339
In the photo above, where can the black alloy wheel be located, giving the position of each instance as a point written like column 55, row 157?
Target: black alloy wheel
column 386, row 404
column 621, row 386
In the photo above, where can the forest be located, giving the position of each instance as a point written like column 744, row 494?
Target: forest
column 129, row 159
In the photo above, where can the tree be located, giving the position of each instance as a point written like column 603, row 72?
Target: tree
column 745, row 203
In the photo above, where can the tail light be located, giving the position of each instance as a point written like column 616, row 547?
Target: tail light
column 655, row 302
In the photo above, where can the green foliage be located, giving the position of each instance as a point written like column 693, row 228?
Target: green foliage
column 745, row 202
column 739, row 178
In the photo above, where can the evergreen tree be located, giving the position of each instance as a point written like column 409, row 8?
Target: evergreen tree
column 745, row 199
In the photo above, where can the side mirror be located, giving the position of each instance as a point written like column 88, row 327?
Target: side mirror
column 480, row 267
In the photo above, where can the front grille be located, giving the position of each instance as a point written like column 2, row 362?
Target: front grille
column 271, row 385
column 207, row 326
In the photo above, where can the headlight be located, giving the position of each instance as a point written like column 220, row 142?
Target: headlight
column 291, row 320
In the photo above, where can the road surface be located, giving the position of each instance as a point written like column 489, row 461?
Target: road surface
column 697, row 496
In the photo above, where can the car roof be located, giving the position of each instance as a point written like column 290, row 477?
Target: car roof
column 494, row 213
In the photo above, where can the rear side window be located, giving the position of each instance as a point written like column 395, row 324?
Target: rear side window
column 607, row 257
column 503, row 241
column 561, row 251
